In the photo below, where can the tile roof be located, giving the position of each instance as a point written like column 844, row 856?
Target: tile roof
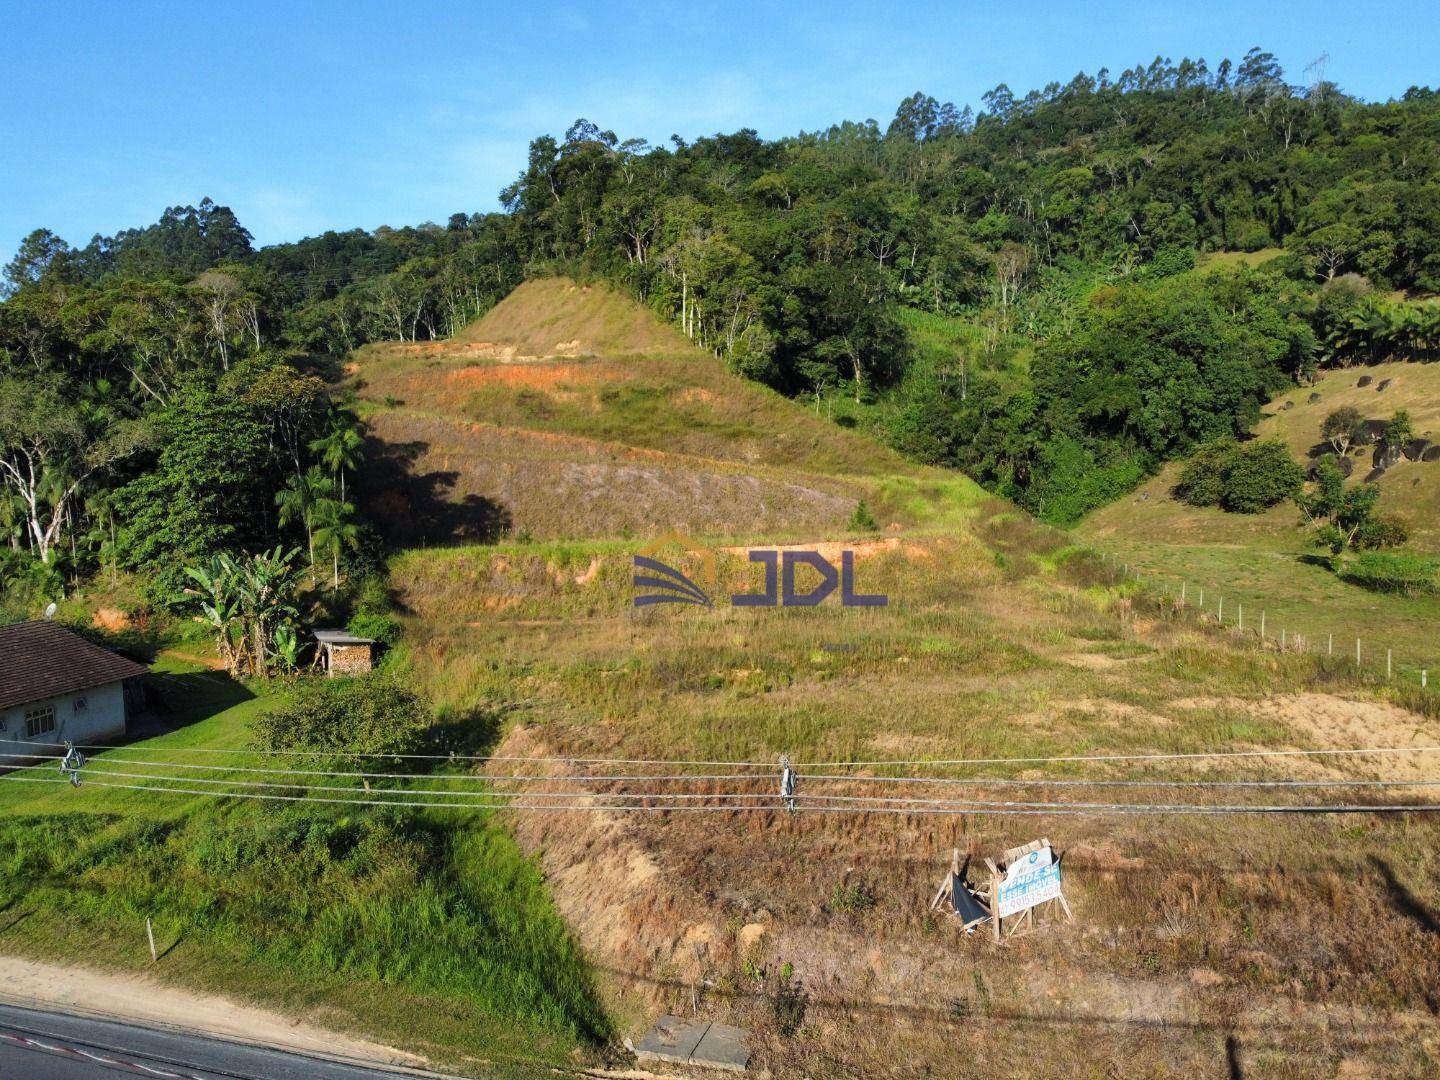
column 42, row 659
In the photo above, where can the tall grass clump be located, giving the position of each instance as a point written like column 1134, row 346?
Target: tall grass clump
column 445, row 908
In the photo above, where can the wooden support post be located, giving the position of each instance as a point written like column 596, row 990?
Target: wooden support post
column 995, row 902
column 150, row 936
column 1389, row 666
column 1220, row 611
column 1240, row 616
column 1282, row 639
column 1330, row 645
column 1357, row 652
column 1262, row 624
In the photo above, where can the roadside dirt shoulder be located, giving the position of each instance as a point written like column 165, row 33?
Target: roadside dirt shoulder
column 129, row 997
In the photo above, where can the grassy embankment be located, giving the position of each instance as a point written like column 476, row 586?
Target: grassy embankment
column 428, row 930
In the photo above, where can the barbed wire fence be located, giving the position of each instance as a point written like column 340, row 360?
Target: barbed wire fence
column 1211, row 605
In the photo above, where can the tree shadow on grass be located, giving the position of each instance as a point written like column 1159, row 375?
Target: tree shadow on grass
column 1403, row 900
column 413, row 508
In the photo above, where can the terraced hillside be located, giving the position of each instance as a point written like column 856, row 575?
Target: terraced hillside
column 571, row 411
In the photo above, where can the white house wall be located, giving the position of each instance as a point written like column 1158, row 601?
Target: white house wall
column 100, row 714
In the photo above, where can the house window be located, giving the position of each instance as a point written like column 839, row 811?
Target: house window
column 39, row 721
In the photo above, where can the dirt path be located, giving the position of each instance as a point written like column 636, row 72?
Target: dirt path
column 134, row 997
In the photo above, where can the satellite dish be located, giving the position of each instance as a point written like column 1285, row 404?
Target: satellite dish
column 50, row 609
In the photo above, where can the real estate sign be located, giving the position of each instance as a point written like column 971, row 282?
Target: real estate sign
column 1034, row 881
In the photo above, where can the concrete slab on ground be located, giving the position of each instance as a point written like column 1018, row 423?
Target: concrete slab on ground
column 671, row 1039
column 695, row 1042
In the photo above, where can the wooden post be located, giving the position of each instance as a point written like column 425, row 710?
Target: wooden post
column 995, row 903
column 1182, row 594
column 1282, row 639
column 1220, row 611
column 1262, row 624
column 150, row 935
column 1424, row 678
column 1389, row 667
column 1330, row 645
column 1357, row 652
column 1201, row 604
column 1240, row 617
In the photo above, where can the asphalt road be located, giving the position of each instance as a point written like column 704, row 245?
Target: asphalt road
column 40, row 1045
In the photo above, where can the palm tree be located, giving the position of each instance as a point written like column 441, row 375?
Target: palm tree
column 339, row 448
column 298, row 501
column 334, row 531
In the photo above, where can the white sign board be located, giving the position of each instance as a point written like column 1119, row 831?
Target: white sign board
column 1023, row 887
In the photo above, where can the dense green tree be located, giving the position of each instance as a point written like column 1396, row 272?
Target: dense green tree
column 208, row 490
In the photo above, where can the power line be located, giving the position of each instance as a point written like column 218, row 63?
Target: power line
column 912, row 762
column 860, row 805
column 532, row 777
column 749, row 778
column 502, row 795
column 402, row 757
column 1081, row 758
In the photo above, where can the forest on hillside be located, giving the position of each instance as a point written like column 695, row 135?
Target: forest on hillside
column 1012, row 291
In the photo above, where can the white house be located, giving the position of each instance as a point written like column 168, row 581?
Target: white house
column 56, row 687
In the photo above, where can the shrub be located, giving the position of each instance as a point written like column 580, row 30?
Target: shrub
column 1202, row 480
column 372, row 714
column 862, row 520
column 1392, row 572
column 1399, row 429
column 1381, row 532
column 1260, row 474
column 383, row 628
column 1241, row 478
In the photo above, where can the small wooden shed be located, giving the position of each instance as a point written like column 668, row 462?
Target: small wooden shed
column 341, row 653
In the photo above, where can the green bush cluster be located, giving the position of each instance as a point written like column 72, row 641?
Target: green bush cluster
column 1393, row 572
column 1243, row 478
column 370, row 714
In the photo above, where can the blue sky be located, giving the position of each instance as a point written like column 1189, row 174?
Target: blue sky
column 366, row 114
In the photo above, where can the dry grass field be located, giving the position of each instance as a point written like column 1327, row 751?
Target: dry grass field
column 1301, row 946
column 1202, row 945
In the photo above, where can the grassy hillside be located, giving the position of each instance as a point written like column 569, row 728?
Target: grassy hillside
column 1001, row 643
column 571, row 411
column 1260, row 559
column 429, row 931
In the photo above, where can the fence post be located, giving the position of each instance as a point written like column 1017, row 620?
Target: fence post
column 1282, row 639
column 1262, row 624
column 1182, row 594
column 150, row 935
column 1201, row 604
column 1389, row 669
column 1330, row 646
column 1240, row 616
column 1220, row 611
column 1424, row 678
column 1357, row 652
